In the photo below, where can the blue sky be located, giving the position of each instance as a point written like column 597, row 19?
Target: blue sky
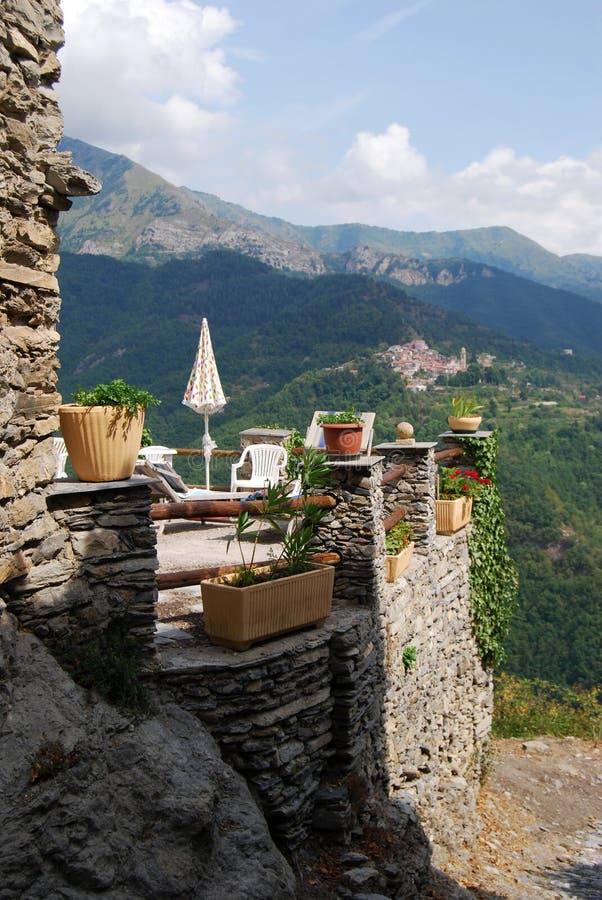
column 433, row 114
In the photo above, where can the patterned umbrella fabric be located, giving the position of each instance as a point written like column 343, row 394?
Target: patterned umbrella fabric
column 204, row 393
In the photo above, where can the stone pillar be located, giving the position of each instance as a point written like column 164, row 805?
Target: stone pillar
column 96, row 564
column 264, row 436
column 35, row 181
column 415, row 489
column 355, row 531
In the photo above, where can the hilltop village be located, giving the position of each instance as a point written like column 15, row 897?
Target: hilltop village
column 421, row 366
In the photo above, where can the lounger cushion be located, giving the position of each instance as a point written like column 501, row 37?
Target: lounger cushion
column 171, row 477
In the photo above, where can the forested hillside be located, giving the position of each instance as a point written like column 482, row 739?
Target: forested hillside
column 286, row 345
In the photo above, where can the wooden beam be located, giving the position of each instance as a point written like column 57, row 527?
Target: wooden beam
column 189, row 577
column 448, row 454
column 201, row 509
column 195, row 451
column 394, row 474
column 395, row 517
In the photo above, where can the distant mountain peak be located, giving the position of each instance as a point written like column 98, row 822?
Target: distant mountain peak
column 140, row 215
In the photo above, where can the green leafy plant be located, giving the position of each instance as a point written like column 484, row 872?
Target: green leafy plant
column 455, row 483
column 398, row 538
column 493, row 576
column 347, row 417
column 465, row 407
column 109, row 663
column 115, row 393
column 294, row 461
column 295, row 526
column 408, row 658
column 147, row 438
column 527, row 708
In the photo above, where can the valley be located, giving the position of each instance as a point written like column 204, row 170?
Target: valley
column 300, row 319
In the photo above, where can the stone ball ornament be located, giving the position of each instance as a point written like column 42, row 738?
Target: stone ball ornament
column 405, row 433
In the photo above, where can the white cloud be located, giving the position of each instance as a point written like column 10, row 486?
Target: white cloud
column 150, row 79
column 145, row 73
column 384, row 180
column 386, row 23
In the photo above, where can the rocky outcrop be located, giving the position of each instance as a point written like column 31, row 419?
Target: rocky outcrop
column 94, row 803
column 181, row 236
column 407, row 270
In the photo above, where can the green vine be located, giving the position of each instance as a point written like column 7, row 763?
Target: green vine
column 493, row 575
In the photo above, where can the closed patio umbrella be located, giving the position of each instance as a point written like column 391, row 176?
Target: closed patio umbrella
column 204, row 393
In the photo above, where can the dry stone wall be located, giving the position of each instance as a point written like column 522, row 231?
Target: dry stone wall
column 307, row 716
column 35, row 181
column 97, row 564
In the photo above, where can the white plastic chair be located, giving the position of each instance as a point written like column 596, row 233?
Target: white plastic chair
column 157, row 454
column 268, row 464
column 61, row 454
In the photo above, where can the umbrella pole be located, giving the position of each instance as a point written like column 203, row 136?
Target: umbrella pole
column 207, row 452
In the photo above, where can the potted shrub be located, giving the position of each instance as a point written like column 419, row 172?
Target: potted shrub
column 342, row 432
column 399, row 546
column 456, row 490
column 463, row 419
column 290, row 592
column 102, row 430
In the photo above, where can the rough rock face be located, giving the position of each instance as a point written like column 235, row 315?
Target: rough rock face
column 407, row 270
column 118, row 809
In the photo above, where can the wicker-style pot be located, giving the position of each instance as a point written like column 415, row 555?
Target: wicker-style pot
column 451, row 515
column 343, row 439
column 398, row 562
column 238, row 617
column 464, row 424
column 102, row 441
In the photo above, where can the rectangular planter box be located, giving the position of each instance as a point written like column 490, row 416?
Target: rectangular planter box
column 239, row 617
column 451, row 515
column 396, row 564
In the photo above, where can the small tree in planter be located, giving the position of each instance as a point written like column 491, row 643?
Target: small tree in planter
column 342, row 432
column 102, row 429
column 290, row 592
column 399, row 546
column 456, row 490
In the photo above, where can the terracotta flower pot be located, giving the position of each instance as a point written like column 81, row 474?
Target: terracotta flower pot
column 451, row 515
column 238, row 617
column 102, row 441
column 344, row 439
column 464, row 424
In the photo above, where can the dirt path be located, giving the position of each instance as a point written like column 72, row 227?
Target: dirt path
column 542, row 824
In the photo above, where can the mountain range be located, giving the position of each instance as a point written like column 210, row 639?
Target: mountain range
column 496, row 276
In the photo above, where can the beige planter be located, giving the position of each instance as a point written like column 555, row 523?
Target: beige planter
column 451, row 515
column 102, row 441
column 400, row 561
column 464, row 424
column 238, row 617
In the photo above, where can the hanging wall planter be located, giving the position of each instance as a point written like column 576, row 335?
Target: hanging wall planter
column 452, row 515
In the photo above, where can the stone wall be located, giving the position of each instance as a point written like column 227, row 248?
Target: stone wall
column 34, row 183
column 437, row 716
column 96, row 564
column 336, row 704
